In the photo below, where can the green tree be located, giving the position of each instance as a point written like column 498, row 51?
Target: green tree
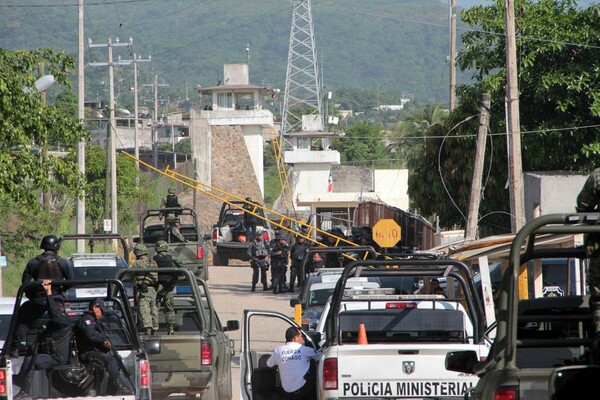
column 128, row 193
column 362, row 143
column 559, row 108
column 28, row 125
column 67, row 102
column 184, row 146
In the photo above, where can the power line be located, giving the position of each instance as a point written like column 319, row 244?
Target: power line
column 69, row 5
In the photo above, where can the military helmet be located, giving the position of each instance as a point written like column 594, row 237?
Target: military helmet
column 140, row 250
column 50, row 242
column 161, row 245
column 171, row 191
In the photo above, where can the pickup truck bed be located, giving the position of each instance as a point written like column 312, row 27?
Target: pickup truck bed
column 196, row 359
column 407, row 336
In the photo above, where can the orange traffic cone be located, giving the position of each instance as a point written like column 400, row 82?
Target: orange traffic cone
column 362, row 334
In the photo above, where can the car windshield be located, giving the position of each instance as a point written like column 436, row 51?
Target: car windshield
column 319, row 297
column 95, row 272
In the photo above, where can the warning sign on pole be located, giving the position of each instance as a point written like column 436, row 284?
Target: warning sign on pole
column 386, row 233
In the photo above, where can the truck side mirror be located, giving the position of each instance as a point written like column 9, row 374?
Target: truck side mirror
column 461, row 361
column 232, row 325
column 136, row 239
column 207, row 237
column 293, row 302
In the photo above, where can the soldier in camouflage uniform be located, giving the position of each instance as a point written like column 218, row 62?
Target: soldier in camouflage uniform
column 145, row 290
column 588, row 200
column 164, row 259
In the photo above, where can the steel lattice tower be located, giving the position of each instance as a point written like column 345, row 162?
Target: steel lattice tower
column 302, row 85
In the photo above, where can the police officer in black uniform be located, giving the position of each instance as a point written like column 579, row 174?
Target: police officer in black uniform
column 297, row 252
column 51, row 347
column 279, row 255
column 36, row 306
column 93, row 344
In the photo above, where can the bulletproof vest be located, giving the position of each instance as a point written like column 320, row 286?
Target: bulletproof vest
column 49, row 269
column 172, row 201
column 164, row 260
column 260, row 250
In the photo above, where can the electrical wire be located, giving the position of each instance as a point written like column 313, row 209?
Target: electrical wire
column 440, row 163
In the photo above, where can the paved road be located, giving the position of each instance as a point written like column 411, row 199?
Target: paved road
column 230, row 290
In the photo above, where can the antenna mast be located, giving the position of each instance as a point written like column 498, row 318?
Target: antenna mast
column 302, row 87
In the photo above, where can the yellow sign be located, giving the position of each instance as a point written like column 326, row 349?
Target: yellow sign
column 386, row 233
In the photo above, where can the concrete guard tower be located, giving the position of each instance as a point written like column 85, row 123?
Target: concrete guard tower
column 234, row 108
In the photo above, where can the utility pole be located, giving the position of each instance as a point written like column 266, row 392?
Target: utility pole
column 111, row 145
column 136, row 144
column 452, row 59
column 513, row 126
column 473, row 215
column 81, row 113
column 155, row 86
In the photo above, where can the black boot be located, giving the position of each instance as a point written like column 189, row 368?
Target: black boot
column 265, row 288
column 121, row 388
column 253, row 288
column 25, row 389
column 291, row 289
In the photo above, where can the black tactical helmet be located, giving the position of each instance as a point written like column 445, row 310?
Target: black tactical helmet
column 171, row 191
column 248, row 198
column 50, row 242
column 161, row 246
column 140, row 250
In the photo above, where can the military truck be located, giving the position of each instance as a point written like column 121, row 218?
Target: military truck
column 78, row 379
column 196, row 359
column 154, row 226
column 541, row 343
column 229, row 234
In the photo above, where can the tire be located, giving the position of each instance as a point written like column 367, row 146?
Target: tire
column 224, row 261
column 217, row 259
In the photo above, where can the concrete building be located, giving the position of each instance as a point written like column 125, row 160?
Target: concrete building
column 236, row 105
column 550, row 192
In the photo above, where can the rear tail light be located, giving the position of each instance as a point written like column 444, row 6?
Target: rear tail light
column 214, row 235
column 330, row 373
column 266, row 236
column 205, row 354
column 144, row 374
column 400, row 306
column 200, row 252
column 506, row 393
column 2, row 382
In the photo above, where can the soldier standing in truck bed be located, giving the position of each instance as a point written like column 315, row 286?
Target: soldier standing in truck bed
column 164, row 259
column 145, row 290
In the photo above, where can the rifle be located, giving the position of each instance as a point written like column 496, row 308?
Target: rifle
column 113, row 352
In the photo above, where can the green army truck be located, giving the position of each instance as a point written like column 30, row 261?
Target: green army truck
column 544, row 346
column 154, row 226
column 196, row 359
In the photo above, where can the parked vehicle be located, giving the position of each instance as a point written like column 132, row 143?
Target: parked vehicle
column 196, row 359
column 193, row 252
column 78, row 380
column 229, row 239
column 97, row 265
column 400, row 353
column 537, row 339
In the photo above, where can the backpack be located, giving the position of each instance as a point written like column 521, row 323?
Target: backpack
column 172, row 202
column 50, row 269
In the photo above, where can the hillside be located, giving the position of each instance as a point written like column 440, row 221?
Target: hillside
column 397, row 46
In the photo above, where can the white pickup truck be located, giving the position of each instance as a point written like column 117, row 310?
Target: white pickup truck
column 406, row 337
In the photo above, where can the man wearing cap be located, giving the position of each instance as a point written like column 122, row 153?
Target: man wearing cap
column 171, row 201
column 145, row 289
column 93, row 344
column 51, row 347
column 174, row 234
column 164, row 259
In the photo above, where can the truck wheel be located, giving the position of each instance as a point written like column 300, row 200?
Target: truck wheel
column 224, row 261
